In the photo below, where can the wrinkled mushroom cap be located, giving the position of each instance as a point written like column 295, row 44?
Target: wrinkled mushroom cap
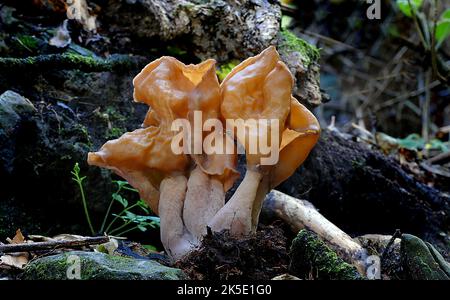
column 299, row 138
column 261, row 88
column 144, row 157
column 258, row 88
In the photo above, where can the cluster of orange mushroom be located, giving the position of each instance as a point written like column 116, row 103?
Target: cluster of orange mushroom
column 188, row 191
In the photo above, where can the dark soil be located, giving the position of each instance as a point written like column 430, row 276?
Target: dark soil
column 222, row 257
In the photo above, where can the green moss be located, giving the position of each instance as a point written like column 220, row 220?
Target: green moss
column 99, row 266
column 310, row 256
column 290, row 43
column 419, row 262
column 88, row 61
column 224, row 69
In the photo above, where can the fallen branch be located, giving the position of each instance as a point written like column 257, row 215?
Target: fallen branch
column 300, row 214
column 440, row 159
column 46, row 62
column 29, row 247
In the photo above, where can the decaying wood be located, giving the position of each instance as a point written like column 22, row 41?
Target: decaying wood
column 27, row 247
column 300, row 214
column 218, row 28
column 311, row 258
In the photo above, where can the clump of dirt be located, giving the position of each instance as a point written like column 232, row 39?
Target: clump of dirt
column 221, row 257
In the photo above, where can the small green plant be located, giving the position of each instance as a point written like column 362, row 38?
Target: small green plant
column 130, row 220
column 416, row 142
column 79, row 180
column 432, row 33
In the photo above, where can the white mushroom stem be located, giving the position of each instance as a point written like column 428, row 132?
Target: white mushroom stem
column 176, row 239
column 204, row 198
column 263, row 189
column 300, row 214
column 236, row 214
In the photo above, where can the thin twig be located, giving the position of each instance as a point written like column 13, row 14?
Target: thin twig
column 397, row 234
column 288, row 11
column 27, row 247
column 402, row 97
column 440, row 159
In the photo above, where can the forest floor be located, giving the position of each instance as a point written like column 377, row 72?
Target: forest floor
column 382, row 165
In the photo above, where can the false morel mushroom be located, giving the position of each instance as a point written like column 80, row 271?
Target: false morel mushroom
column 187, row 188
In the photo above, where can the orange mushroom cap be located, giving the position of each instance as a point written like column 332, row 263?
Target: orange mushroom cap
column 299, row 138
column 144, row 157
column 258, row 88
column 261, row 88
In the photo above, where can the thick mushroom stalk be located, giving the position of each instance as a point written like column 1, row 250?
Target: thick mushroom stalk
column 175, row 237
column 214, row 172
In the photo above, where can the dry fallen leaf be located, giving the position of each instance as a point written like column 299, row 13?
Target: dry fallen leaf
column 61, row 39
column 18, row 238
column 78, row 10
column 19, row 259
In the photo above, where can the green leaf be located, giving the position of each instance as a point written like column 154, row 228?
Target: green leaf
column 412, row 142
column 405, row 8
column 442, row 32
column 120, row 199
column 130, row 215
column 443, row 28
column 446, row 15
column 120, row 183
column 143, row 205
column 436, row 144
column 150, row 247
column 142, row 228
column 76, row 168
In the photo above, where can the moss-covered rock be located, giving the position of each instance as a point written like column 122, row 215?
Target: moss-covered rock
column 289, row 42
column 98, row 266
column 39, row 144
column 311, row 258
column 302, row 59
column 422, row 261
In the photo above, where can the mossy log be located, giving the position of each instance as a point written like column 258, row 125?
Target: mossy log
column 67, row 61
column 311, row 258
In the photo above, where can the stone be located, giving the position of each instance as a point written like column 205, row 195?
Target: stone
column 98, row 266
column 421, row 261
column 13, row 108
